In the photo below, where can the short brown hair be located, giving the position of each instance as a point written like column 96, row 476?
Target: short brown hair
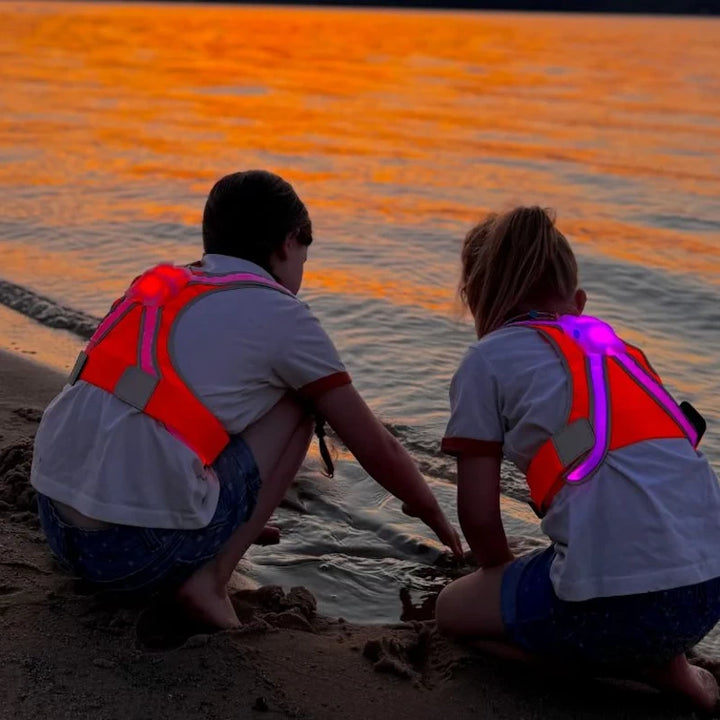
column 513, row 261
column 249, row 214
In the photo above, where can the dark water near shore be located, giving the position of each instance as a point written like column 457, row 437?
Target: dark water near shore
column 399, row 129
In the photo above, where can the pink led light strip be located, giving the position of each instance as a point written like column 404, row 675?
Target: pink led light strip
column 109, row 320
column 150, row 322
column 152, row 311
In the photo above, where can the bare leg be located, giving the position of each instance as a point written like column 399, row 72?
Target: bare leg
column 279, row 443
column 678, row 677
column 469, row 607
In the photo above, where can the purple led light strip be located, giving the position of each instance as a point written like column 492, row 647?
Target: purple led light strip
column 599, row 341
column 600, row 420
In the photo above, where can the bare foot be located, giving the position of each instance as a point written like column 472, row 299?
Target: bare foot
column 694, row 683
column 203, row 600
column 269, row 535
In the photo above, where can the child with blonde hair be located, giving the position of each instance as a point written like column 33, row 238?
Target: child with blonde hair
column 631, row 579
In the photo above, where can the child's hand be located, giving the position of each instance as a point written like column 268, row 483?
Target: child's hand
column 435, row 519
column 448, row 535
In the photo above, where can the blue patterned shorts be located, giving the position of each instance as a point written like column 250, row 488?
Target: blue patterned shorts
column 144, row 560
column 628, row 631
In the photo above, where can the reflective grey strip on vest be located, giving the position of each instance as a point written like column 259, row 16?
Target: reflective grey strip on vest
column 82, row 358
column 135, row 387
column 573, row 441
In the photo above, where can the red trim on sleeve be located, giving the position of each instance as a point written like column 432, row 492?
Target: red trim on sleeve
column 319, row 387
column 469, row 446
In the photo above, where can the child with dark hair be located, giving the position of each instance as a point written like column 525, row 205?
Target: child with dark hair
column 189, row 412
column 631, row 579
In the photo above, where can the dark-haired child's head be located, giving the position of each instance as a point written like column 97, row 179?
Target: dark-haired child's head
column 257, row 216
column 516, row 262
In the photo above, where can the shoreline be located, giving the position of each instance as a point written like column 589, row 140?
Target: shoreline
column 67, row 653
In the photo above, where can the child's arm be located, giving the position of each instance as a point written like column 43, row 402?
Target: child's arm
column 479, row 509
column 385, row 460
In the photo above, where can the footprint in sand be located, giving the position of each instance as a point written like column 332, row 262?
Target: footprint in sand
column 29, row 414
column 9, row 589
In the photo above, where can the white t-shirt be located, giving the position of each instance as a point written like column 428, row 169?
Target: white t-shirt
column 240, row 351
column 648, row 519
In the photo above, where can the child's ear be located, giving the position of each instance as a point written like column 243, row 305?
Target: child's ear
column 282, row 250
column 290, row 239
column 580, row 300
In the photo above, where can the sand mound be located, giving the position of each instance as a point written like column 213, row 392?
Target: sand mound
column 271, row 600
column 16, row 495
column 711, row 665
column 164, row 626
column 418, row 652
column 31, row 415
column 404, row 657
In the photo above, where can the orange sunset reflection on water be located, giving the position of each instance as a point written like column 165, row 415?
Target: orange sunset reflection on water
column 116, row 113
column 399, row 129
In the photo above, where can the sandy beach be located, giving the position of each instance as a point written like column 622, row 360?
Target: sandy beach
column 67, row 653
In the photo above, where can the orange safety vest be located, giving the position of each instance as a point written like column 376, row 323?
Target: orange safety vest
column 129, row 354
column 617, row 399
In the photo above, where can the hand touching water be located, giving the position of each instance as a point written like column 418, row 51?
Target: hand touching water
column 435, row 519
column 384, row 459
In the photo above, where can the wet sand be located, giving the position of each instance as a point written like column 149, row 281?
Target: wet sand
column 67, row 653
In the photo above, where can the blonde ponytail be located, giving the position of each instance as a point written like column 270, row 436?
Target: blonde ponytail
column 512, row 263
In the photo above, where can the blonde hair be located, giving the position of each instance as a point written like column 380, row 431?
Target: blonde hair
column 515, row 262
